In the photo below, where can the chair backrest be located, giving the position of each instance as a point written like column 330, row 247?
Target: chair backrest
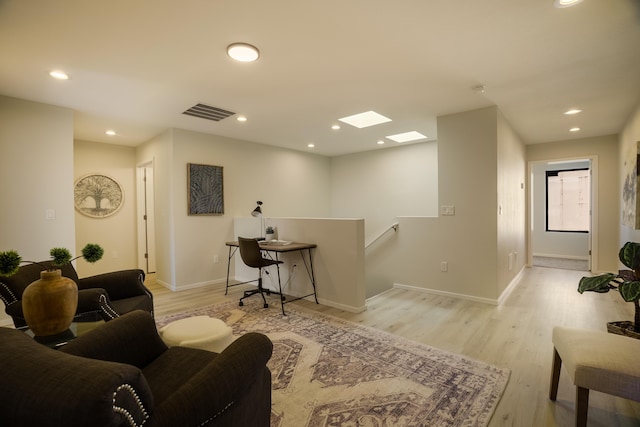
column 250, row 252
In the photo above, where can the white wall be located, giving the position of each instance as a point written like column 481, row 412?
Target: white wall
column 36, row 174
column 553, row 244
column 511, row 176
column 605, row 150
column 629, row 140
column 380, row 186
column 287, row 182
column 116, row 233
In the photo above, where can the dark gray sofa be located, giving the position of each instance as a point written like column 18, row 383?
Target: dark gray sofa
column 105, row 296
column 122, row 374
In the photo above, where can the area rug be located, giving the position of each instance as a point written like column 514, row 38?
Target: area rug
column 328, row 372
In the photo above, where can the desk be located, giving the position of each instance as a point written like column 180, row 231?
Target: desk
column 301, row 248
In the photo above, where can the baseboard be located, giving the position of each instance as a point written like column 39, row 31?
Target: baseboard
column 512, row 285
column 348, row 308
column 579, row 258
column 446, row 294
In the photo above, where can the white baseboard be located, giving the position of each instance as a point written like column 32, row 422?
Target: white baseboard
column 579, row 258
column 512, row 285
column 446, row 294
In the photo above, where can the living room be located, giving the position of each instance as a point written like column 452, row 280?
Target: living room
column 479, row 164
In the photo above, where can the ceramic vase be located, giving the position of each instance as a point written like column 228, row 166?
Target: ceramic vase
column 49, row 304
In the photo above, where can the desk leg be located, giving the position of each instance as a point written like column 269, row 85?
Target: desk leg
column 280, row 287
column 312, row 276
column 231, row 252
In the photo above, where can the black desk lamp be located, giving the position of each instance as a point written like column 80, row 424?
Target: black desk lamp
column 257, row 213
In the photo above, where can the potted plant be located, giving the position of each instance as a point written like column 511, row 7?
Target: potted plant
column 49, row 303
column 269, row 233
column 626, row 282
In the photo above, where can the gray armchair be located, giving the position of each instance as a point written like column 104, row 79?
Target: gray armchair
column 105, row 296
column 122, row 374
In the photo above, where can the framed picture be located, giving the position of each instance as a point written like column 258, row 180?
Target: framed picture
column 205, row 189
column 97, row 196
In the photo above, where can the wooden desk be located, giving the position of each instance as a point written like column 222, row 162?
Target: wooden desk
column 275, row 250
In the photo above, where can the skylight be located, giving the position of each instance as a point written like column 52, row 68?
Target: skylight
column 365, row 119
column 407, row 136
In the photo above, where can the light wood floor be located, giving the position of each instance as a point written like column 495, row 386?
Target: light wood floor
column 516, row 335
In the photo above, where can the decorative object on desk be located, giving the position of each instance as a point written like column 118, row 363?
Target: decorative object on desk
column 97, row 196
column 626, row 282
column 328, row 372
column 270, row 233
column 49, row 303
column 205, row 185
column 257, row 213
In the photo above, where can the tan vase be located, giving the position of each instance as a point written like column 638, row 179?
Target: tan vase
column 49, row 304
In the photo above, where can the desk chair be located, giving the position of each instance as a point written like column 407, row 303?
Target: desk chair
column 252, row 257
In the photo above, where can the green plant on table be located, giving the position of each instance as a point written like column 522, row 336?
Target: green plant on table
column 626, row 282
column 11, row 260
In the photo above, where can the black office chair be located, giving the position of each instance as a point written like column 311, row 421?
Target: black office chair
column 252, row 257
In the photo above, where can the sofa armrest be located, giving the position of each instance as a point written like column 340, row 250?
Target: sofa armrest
column 131, row 338
column 118, row 284
column 43, row 387
column 218, row 387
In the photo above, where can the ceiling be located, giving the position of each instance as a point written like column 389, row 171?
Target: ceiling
column 135, row 66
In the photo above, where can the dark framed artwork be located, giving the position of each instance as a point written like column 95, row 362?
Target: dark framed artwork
column 97, row 196
column 204, row 185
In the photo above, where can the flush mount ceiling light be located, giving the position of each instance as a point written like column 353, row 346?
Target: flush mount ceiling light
column 335, row 127
column 366, row 119
column 576, row 129
column 572, row 112
column 241, row 118
column 243, row 52
column 311, row 145
column 59, row 75
column 111, row 132
column 407, row 136
column 565, row 3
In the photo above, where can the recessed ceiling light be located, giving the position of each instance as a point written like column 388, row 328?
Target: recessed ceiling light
column 111, row 132
column 565, row 3
column 311, row 145
column 241, row 119
column 407, row 136
column 576, row 129
column 366, row 119
column 572, row 111
column 243, row 52
column 335, row 127
column 381, row 142
column 59, row 75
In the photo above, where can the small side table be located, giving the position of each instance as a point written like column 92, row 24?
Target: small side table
column 202, row 332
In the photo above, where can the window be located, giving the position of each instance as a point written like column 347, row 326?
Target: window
column 568, row 200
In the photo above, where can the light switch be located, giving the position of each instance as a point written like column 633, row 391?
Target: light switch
column 447, row 210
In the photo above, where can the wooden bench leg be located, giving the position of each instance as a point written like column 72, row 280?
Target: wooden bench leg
column 555, row 375
column 582, row 406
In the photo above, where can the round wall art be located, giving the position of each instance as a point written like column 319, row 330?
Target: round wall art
column 98, row 196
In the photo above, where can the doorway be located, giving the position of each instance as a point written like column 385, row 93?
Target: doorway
column 146, row 218
column 553, row 246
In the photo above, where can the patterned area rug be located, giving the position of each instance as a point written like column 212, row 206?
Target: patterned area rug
column 328, row 372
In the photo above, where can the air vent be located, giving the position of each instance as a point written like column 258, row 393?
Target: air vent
column 208, row 112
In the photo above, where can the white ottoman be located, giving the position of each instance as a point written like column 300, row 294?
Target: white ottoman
column 202, row 332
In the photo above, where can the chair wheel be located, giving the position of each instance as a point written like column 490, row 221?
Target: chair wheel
column 266, row 305
column 240, row 303
column 268, row 293
column 282, row 298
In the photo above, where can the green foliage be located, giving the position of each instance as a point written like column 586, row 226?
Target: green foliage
column 92, row 252
column 10, row 260
column 9, row 263
column 60, row 256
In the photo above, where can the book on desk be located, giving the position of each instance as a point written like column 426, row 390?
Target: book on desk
column 275, row 242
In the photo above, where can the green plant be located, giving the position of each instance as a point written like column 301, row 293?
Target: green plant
column 270, row 230
column 626, row 282
column 10, row 260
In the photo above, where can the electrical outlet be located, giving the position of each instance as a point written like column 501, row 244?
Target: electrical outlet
column 444, row 266
column 447, row 210
column 216, row 259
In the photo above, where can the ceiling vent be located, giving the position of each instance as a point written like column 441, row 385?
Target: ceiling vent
column 208, row 112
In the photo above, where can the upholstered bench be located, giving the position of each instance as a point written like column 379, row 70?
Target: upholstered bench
column 598, row 361
column 202, row 332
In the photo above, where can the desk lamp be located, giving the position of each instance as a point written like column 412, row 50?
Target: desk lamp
column 257, row 213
